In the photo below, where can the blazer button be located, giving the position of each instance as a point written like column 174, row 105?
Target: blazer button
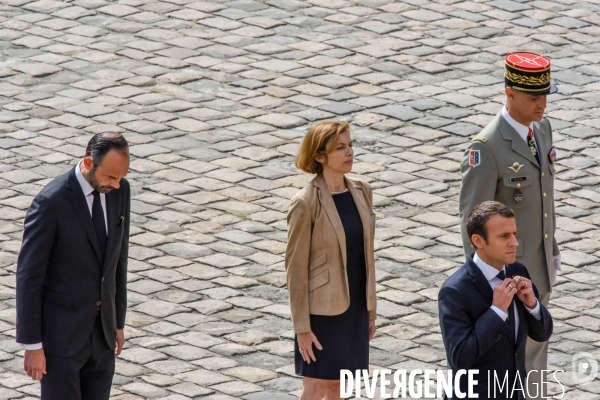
column 98, row 303
column 542, row 174
column 102, row 279
column 544, row 194
column 545, row 216
column 546, row 236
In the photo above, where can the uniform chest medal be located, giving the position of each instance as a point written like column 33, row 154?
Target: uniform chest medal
column 552, row 155
column 518, row 196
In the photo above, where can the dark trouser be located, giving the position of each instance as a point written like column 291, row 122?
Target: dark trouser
column 85, row 376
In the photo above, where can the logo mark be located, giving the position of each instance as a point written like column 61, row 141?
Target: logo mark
column 585, row 368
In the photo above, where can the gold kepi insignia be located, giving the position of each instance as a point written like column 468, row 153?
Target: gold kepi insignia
column 516, row 167
column 480, row 138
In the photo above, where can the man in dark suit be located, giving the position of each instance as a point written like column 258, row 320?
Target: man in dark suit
column 489, row 307
column 72, row 275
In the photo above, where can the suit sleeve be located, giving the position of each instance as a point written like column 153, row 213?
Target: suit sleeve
column 32, row 263
column 539, row 330
column 297, row 255
column 121, row 275
column 555, row 250
column 465, row 341
column 478, row 185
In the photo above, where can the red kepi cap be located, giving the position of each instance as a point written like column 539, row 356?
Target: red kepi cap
column 528, row 72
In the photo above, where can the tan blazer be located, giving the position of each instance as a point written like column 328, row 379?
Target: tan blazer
column 315, row 258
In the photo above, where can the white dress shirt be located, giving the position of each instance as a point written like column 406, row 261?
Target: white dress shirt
column 87, row 192
column 521, row 129
column 89, row 198
column 490, row 274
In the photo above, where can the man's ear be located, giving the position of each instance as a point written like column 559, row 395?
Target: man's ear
column 478, row 241
column 88, row 163
column 510, row 92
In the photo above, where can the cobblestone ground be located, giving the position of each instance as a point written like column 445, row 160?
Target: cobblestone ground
column 213, row 98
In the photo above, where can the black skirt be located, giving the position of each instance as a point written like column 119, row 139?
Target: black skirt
column 344, row 337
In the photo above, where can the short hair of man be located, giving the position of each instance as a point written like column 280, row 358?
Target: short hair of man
column 481, row 213
column 101, row 143
column 318, row 140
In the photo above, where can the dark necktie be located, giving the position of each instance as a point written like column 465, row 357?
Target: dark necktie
column 531, row 144
column 99, row 223
column 510, row 311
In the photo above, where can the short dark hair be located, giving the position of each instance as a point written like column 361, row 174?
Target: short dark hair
column 101, row 143
column 480, row 214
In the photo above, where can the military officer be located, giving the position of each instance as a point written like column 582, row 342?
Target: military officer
column 512, row 161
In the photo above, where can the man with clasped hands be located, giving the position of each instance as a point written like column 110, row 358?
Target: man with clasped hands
column 489, row 307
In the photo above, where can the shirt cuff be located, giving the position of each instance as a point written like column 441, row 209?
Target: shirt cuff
column 500, row 313
column 557, row 262
column 535, row 311
column 35, row 346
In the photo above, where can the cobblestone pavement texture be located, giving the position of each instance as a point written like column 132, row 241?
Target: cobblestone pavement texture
column 214, row 97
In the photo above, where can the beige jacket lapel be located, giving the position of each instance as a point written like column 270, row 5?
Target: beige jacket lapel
column 329, row 207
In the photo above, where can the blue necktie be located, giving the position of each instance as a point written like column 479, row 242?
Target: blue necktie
column 511, row 318
column 99, row 223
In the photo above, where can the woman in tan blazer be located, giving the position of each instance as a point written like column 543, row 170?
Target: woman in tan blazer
column 330, row 263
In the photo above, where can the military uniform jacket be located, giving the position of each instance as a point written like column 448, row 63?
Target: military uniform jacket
column 498, row 165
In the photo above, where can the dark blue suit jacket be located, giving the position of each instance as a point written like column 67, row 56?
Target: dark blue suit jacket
column 475, row 336
column 60, row 276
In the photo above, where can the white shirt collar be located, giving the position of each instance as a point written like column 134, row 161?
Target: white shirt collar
column 488, row 271
column 85, row 185
column 521, row 129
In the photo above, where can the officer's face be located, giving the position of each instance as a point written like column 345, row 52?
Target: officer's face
column 340, row 157
column 501, row 245
column 524, row 107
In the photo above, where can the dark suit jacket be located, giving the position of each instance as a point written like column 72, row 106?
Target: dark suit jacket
column 475, row 336
column 60, row 276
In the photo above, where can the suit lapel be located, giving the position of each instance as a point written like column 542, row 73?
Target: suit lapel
column 329, row 207
column 482, row 285
column 518, row 144
column 111, row 203
column 540, row 141
column 77, row 200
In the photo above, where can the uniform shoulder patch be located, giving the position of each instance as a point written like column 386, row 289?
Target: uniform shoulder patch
column 479, row 138
column 474, row 158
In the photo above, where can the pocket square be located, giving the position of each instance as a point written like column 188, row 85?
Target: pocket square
column 121, row 220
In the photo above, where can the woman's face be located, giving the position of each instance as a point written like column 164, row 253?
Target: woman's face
column 341, row 156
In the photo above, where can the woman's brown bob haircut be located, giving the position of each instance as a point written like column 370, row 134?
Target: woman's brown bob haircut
column 318, row 140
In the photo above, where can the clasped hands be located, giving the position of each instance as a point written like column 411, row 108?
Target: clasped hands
column 505, row 291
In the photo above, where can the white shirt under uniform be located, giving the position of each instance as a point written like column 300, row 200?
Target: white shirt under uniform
column 89, row 198
column 490, row 274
